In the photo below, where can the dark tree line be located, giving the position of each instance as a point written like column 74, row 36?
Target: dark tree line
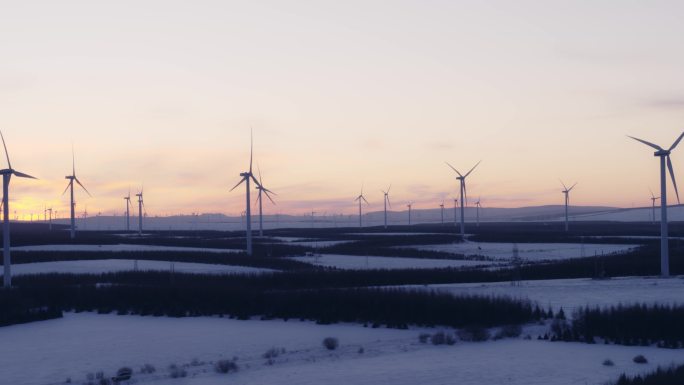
column 163, row 294
column 669, row 376
column 645, row 325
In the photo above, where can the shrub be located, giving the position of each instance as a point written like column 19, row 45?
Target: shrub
column 273, row 353
column 176, row 371
column 509, row 331
column 438, row 338
column 226, row 366
column 608, row 362
column 449, row 339
column 474, row 333
column 640, row 359
column 423, row 337
column 148, row 369
column 330, row 343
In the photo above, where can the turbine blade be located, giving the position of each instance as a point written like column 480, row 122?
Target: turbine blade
column 364, row 199
column 268, row 196
column 452, row 167
column 9, row 164
column 239, row 183
column 676, row 142
column 674, row 182
column 573, row 186
column 389, row 188
column 471, row 170
column 251, row 148
column 388, row 202
column 67, row 187
column 646, row 143
column 268, row 191
column 73, row 161
column 259, row 171
column 255, row 181
column 22, row 175
column 564, row 186
column 82, row 186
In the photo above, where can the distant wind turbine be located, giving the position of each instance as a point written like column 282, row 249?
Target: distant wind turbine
column 566, row 192
column 262, row 190
column 6, row 176
column 70, row 187
column 49, row 210
column 653, row 201
column 245, row 178
column 128, row 210
column 441, row 209
column 361, row 199
column 664, row 160
column 386, row 202
column 464, row 193
column 409, row 205
column 477, row 207
column 141, row 207
column 455, row 211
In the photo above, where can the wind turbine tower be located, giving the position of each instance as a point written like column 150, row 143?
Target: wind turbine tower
column 246, row 177
column 464, row 193
column 361, row 199
column 262, row 191
column 6, row 176
column 665, row 161
column 409, row 205
column 386, row 202
column 72, row 178
column 477, row 212
column 441, row 209
column 653, row 201
column 566, row 192
column 128, row 210
column 141, row 205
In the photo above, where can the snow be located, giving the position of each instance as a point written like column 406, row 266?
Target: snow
column 353, row 262
column 394, row 234
column 100, row 266
column 573, row 293
column 51, row 351
column 307, row 242
column 527, row 251
column 122, row 247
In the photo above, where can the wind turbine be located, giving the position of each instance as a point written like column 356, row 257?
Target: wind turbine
column 409, row 205
column 441, row 209
column 263, row 190
column 664, row 159
column 50, row 218
column 566, row 192
column 464, row 193
column 70, row 187
column 653, row 201
column 386, row 201
column 246, row 177
column 455, row 211
column 361, row 198
column 141, row 205
column 477, row 206
column 128, row 210
column 6, row 176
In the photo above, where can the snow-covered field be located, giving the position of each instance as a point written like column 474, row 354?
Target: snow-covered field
column 100, row 266
column 49, row 352
column 573, row 293
column 528, row 251
column 308, row 243
column 121, row 247
column 356, row 262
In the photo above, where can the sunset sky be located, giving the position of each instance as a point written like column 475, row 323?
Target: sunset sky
column 339, row 94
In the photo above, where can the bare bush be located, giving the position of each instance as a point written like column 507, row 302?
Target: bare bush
column 226, row 366
column 331, row 343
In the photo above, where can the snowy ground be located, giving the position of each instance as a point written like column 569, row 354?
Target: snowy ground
column 355, row 262
column 49, row 352
column 121, row 247
column 573, row 293
column 114, row 265
column 528, row 251
column 294, row 241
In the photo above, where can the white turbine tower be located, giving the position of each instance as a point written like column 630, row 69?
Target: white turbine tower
column 128, row 210
column 441, row 209
column 409, row 205
column 6, row 176
column 141, row 207
column 361, row 199
column 653, row 201
column 386, row 202
column 464, row 193
column 263, row 191
column 70, row 187
column 245, row 178
column 477, row 207
column 664, row 162
column 566, row 192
